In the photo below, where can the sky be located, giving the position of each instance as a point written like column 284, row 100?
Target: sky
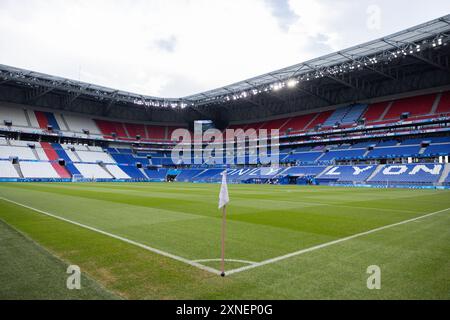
column 174, row 48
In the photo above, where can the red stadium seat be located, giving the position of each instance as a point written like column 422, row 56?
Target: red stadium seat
column 375, row 111
column 419, row 105
column 444, row 103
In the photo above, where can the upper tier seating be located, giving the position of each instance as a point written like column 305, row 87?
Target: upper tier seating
column 299, row 123
column 80, row 123
column 136, row 130
column 354, row 114
column 419, row 105
column 110, row 127
column 275, row 124
column 444, row 104
column 320, row 119
column 345, row 115
column 336, row 116
column 46, row 119
column 375, row 111
column 16, row 114
column 156, row 132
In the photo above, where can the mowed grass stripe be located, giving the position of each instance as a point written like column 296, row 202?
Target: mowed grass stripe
column 196, row 238
column 257, row 231
column 28, row 271
column 333, row 272
column 414, row 261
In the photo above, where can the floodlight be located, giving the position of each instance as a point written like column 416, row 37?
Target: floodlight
column 292, row 83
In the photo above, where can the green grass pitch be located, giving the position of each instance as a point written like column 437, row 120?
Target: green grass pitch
column 182, row 221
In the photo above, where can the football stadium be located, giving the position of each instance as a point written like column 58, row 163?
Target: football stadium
column 328, row 179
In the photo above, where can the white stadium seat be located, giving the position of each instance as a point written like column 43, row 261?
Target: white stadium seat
column 89, row 156
column 14, row 114
column 41, row 154
column 20, row 143
column 23, row 153
column 60, row 122
column 7, row 170
column 33, row 119
column 117, row 172
column 38, row 170
column 77, row 124
column 90, row 171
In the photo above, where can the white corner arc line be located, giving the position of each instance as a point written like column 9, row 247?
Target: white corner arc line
column 327, row 244
column 227, row 260
column 143, row 246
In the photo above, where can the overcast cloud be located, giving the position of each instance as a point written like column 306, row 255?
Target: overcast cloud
column 173, row 48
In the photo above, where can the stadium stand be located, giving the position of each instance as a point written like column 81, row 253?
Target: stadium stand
column 92, row 171
column 58, row 143
column 444, row 104
column 188, row 175
column 408, row 174
column 416, row 106
column 38, row 170
column 79, row 124
column 7, row 170
column 352, row 174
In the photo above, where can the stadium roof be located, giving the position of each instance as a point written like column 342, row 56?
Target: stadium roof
column 412, row 60
column 408, row 41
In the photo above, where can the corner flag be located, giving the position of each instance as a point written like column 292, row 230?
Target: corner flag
column 223, row 196
column 223, row 201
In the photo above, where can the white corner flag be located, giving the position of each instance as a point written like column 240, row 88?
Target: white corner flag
column 223, row 201
column 223, row 196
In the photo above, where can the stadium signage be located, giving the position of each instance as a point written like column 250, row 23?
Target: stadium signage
column 392, row 170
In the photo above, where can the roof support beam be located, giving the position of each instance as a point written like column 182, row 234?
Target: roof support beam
column 416, row 55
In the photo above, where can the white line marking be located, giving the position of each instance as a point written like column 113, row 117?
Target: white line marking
column 143, row 246
column 226, row 260
column 327, row 244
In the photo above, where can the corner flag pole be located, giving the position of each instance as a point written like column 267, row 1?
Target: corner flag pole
column 223, row 201
column 224, row 227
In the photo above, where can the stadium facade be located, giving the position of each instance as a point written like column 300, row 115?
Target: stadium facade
column 376, row 114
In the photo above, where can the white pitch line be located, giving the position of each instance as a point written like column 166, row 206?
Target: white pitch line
column 143, row 246
column 327, row 244
column 226, row 260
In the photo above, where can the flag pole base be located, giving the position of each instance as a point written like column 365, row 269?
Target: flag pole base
column 222, row 274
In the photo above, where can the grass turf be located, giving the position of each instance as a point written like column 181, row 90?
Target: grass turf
column 264, row 222
column 30, row 272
